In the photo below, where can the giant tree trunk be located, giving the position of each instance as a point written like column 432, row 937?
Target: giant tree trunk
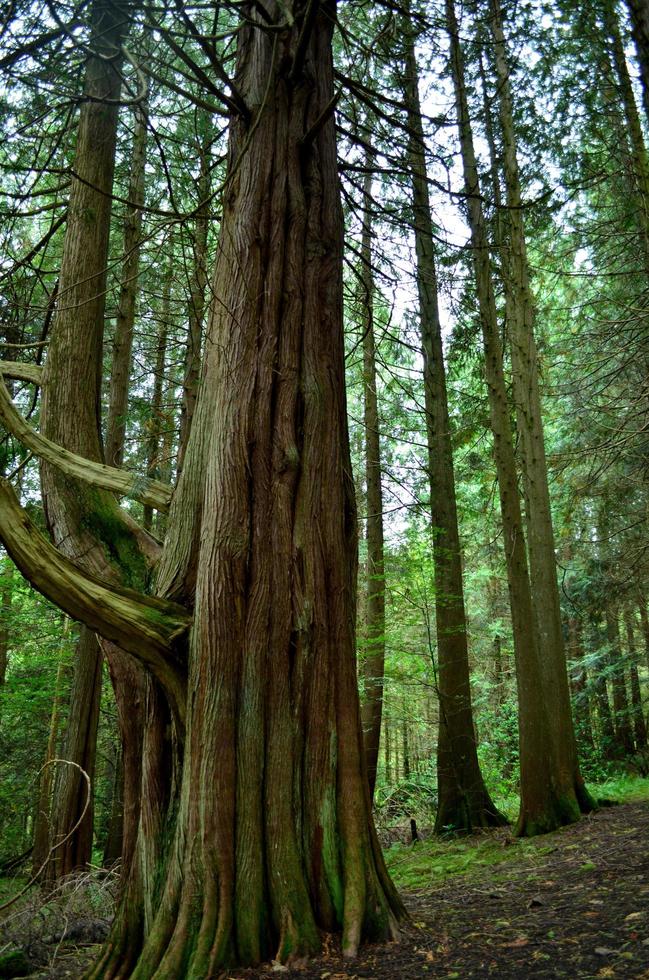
column 373, row 667
column 464, row 802
column 273, row 834
column 548, row 792
column 527, row 401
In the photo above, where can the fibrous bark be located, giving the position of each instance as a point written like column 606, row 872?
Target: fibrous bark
column 273, row 837
column 262, row 835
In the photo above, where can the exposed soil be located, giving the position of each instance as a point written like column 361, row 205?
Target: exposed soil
column 580, row 911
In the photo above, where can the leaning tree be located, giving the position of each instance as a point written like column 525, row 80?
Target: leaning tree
column 255, row 829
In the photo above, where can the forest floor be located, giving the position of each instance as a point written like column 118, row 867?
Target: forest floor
column 570, row 904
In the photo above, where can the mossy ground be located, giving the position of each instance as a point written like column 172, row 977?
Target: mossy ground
column 418, row 866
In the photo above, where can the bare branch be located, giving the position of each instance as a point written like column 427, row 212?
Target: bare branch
column 151, row 492
column 151, row 629
column 20, row 371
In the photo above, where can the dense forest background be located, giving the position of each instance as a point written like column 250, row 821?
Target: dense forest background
column 529, row 219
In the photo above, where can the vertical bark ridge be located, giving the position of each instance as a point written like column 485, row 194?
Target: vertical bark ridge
column 274, row 811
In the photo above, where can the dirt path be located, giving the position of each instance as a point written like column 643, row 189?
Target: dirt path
column 580, row 911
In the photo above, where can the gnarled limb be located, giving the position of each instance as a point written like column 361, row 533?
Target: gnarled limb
column 152, row 630
column 151, row 492
column 22, row 372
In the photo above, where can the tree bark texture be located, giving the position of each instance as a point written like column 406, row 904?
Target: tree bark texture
column 373, row 666
column 464, row 801
column 273, row 836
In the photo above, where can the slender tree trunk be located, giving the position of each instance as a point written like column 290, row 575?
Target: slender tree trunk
column 622, row 715
column 405, row 744
column 115, row 833
column 632, row 140
column 527, row 400
column 80, row 746
column 375, row 598
column 548, row 793
column 42, row 832
column 639, row 11
column 464, row 801
column 387, row 745
column 644, row 622
column 87, row 524
column 606, row 729
column 154, row 439
column 639, row 725
column 583, row 712
column 123, row 342
column 6, row 594
column 197, row 294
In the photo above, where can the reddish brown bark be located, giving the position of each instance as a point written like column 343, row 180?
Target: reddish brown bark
column 273, row 837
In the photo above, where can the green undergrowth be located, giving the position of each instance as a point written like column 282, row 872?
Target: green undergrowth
column 428, row 862
column 622, row 788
